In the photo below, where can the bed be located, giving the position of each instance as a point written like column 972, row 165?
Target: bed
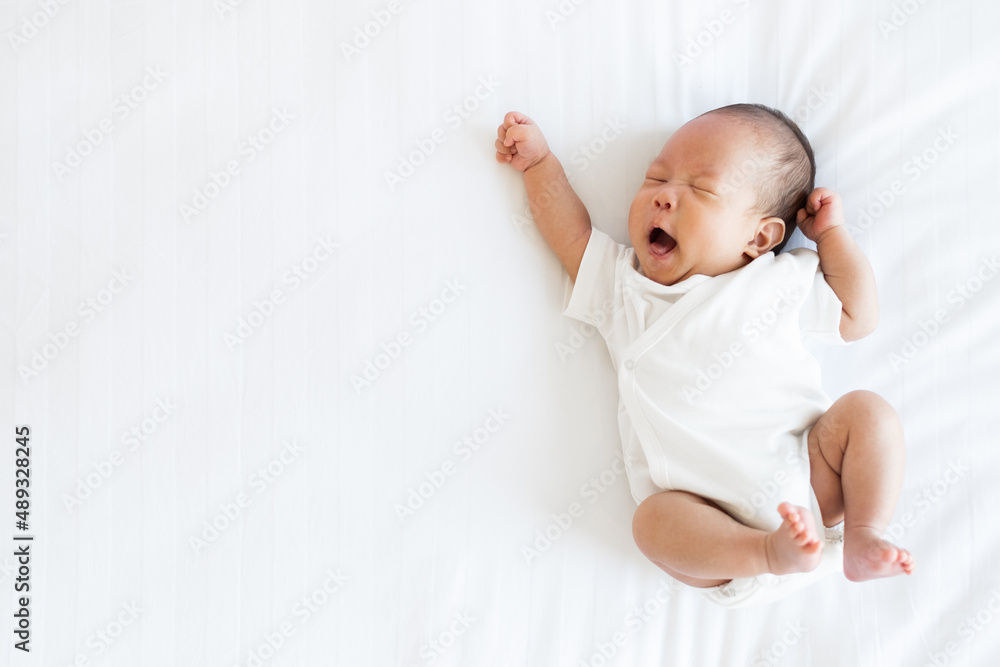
column 285, row 354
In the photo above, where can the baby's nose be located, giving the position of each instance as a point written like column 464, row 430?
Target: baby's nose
column 662, row 200
column 663, row 196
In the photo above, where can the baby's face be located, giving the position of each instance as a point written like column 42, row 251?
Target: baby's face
column 693, row 213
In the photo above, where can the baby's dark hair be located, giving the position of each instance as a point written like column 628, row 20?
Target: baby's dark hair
column 789, row 173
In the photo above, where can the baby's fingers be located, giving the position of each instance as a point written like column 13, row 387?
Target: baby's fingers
column 813, row 202
column 501, row 131
column 516, row 118
column 506, row 150
column 518, row 126
column 514, row 133
column 820, row 197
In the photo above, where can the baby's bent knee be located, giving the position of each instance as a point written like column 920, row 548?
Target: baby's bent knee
column 870, row 407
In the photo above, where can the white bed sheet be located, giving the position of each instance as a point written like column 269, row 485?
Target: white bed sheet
column 187, row 302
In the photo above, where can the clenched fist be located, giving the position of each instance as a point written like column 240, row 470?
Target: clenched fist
column 519, row 142
column 823, row 212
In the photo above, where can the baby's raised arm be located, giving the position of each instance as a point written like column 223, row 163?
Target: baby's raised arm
column 846, row 268
column 561, row 217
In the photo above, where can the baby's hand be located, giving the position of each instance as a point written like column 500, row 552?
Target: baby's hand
column 822, row 213
column 519, row 142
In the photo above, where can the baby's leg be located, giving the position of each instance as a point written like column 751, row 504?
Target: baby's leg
column 695, row 542
column 856, row 458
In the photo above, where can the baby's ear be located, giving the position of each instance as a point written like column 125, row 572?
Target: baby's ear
column 770, row 233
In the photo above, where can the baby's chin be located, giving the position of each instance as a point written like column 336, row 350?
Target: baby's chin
column 673, row 271
column 666, row 276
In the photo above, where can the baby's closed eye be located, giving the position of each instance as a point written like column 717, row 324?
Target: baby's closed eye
column 704, row 188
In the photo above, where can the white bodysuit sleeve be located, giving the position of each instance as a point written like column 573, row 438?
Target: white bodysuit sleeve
column 592, row 298
column 819, row 318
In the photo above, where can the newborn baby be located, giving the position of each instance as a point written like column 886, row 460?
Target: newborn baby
column 734, row 454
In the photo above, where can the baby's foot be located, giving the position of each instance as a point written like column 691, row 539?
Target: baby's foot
column 868, row 556
column 793, row 547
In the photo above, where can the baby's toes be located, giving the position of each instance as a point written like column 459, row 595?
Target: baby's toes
column 891, row 553
column 798, row 526
column 808, row 540
column 801, row 534
column 789, row 512
column 813, row 546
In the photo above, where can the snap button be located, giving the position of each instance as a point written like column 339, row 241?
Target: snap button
column 629, row 364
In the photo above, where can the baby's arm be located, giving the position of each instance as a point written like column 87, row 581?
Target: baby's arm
column 561, row 217
column 846, row 269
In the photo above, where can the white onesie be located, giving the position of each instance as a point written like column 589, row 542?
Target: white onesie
column 718, row 392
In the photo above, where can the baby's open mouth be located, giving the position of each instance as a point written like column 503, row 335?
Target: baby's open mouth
column 660, row 243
